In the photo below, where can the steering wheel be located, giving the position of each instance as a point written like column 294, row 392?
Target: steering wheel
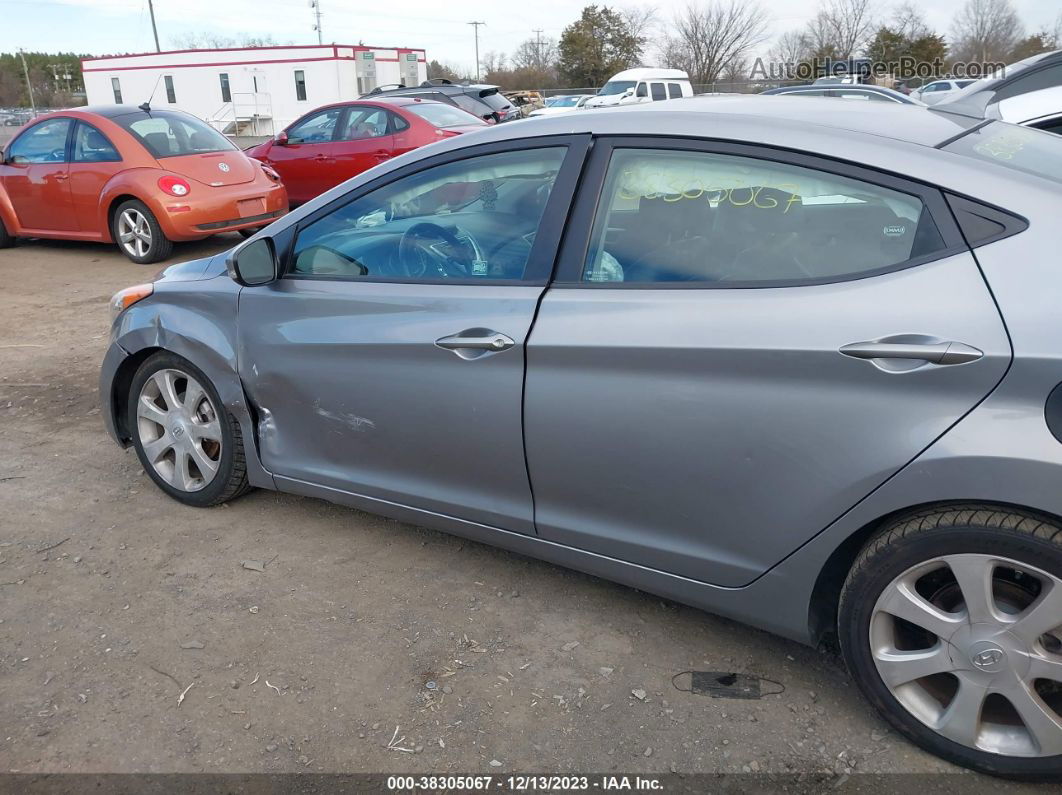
column 429, row 249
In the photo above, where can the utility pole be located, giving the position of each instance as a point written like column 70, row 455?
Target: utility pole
column 316, row 6
column 538, row 47
column 475, row 27
column 29, row 85
column 154, row 30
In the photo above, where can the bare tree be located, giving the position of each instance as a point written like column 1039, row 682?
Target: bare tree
column 909, row 22
column 642, row 20
column 492, row 62
column 708, row 37
column 537, row 53
column 985, row 31
column 791, row 47
column 841, row 28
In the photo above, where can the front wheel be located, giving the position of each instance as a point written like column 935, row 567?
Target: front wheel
column 951, row 623
column 138, row 234
column 185, row 439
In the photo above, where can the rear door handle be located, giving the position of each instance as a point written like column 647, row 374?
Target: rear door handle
column 476, row 340
column 935, row 353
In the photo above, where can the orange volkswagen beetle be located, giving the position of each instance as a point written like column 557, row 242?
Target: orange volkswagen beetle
column 138, row 177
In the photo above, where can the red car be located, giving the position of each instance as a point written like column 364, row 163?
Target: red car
column 332, row 144
column 138, row 177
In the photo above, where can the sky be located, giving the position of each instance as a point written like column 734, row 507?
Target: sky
column 103, row 27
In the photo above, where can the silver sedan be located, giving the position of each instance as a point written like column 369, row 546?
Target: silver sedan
column 792, row 361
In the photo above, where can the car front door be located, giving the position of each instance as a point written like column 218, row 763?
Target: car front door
column 94, row 161
column 35, row 174
column 365, row 139
column 802, row 331
column 388, row 362
column 307, row 161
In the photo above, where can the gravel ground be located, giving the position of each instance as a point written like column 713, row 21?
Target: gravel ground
column 365, row 645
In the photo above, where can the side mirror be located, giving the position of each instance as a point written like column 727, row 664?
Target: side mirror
column 282, row 138
column 254, row 263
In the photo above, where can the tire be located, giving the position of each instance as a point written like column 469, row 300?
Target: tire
column 145, row 241
column 987, row 690
column 186, row 441
column 6, row 240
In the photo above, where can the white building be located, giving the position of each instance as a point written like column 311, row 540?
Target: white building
column 250, row 90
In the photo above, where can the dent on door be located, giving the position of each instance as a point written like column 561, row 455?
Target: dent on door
column 709, row 433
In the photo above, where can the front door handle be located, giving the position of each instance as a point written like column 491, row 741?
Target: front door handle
column 476, row 340
column 932, row 352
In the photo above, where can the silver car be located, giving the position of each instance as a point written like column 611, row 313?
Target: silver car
column 817, row 394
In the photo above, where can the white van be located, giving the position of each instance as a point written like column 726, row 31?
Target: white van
column 646, row 84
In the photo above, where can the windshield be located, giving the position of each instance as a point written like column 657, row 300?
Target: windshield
column 564, row 102
column 444, row 116
column 615, row 87
column 168, row 134
column 1032, row 151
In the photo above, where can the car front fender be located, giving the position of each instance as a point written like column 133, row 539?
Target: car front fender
column 197, row 321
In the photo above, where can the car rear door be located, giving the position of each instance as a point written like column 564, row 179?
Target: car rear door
column 35, row 174
column 388, row 362
column 365, row 139
column 803, row 330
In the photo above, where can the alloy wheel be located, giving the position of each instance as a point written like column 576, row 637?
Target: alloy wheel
column 179, row 430
column 971, row 646
column 134, row 232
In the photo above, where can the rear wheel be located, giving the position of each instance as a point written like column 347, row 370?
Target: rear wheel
column 138, row 234
column 951, row 623
column 6, row 240
column 185, row 439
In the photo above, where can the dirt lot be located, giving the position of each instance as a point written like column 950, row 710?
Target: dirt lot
column 114, row 599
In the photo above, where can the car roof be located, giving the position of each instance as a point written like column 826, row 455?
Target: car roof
column 114, row 111
column 834, row 87
column 649, row 72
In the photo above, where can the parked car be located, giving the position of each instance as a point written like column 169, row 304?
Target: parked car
column 1028, row 92
column 562, row 104
column 141, row 178
column 939, row 90
column 526, row 101
column 645, row 84
column 486, row 102
column 857, row 92
column 906, row 85
column 868, row 446
column 333, row 143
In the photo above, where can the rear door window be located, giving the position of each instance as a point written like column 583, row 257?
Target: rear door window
column 364, row 123
column 691, row 216
column 674, row 90
column 658, row 91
